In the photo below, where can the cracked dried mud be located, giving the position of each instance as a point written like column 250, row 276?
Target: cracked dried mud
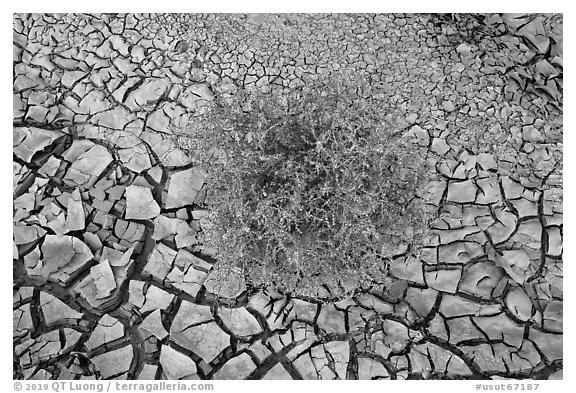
column 112, row 281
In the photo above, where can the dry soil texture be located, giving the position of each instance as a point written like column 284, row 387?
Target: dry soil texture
column 111, row 280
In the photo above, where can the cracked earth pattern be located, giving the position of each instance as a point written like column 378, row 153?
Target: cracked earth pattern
column 111, row 280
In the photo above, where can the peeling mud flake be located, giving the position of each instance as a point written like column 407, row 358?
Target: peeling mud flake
column 186, row 275
column 46, row 347
column 86, row 169
column 75, row 212
column 156, row 299
column 148, row 372
column 516, row 263
column 114, row 363
column 238, row 367
column 160, row 261
column 24, row 234
column 445, row 280
column 54, row 310
column 22, row 323
column 205, row 340
column 239, row 321
column 277, row 373
column 306, row 367
column 103, row 278
column 63, row 258
column 107, row 330
column 148, row 93
column 462, row 192
column 140, row 205
column 369, row 369
column 191, row 331
column 176, row 365
column 135, row 158
column 153, row 324
column 183, row 187
column 339, row 352
column 29, row 141
column 331, row 320
column 519, row 304
column 101, row 288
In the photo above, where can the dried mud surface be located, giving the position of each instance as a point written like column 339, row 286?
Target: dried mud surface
column 112, row 281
